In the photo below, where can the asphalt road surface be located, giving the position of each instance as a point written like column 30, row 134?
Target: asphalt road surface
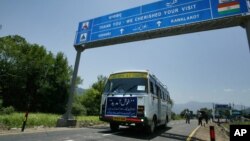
column 176, row 131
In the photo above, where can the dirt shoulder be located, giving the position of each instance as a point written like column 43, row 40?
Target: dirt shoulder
column 203, row 133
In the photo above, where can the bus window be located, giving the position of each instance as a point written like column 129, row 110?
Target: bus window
column 163, row 95
column 122, row 85
column 158, row 91
column 152, row 87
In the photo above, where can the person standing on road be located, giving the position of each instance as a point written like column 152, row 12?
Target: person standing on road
column 206, row 118
column 187, row 116
column 199, row 116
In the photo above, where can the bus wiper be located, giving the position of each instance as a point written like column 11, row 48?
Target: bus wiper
column 110, row 93
column 115, row 88
column 129, row 90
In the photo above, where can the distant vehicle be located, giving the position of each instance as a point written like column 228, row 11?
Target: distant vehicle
column 135, row 98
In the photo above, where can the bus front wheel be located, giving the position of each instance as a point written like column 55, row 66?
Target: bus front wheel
column 151, row 128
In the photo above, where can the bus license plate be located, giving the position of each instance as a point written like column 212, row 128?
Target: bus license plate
column 119, row 118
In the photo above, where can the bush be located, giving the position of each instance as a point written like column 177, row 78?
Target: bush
column 1, row 104
column 34, row 119
column 11, row 120
column 8, row 110
column 15, row 120
column 78, row 109
column 84, row 121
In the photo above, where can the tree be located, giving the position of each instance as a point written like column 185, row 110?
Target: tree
column 171, row 102
column 78, row 108
column 100, row 84
column 182, row 114
column 207, row 111
column 14, row 70
column 91, row 101
column 92, row 97
column 173, row 115
column 29, row 75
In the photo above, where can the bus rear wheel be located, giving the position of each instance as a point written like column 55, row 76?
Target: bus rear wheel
column 166, row 122
column 114, row 126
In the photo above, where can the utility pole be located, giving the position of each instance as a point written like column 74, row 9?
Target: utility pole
column 67, row 119
column 247, row 27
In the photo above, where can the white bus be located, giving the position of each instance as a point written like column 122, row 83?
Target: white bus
column 135, row 98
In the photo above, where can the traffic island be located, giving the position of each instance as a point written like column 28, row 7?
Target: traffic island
column 66, row 122
column 203, row 133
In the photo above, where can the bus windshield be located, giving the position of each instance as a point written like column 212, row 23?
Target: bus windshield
column 124, row 85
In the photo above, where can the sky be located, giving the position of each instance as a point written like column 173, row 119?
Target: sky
column 211, row 66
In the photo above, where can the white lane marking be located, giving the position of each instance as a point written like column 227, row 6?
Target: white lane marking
column 106, row 135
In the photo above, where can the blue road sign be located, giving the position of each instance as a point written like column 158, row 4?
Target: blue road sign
column 159, row 15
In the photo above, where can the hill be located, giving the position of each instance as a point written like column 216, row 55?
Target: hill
column 80, row 91
column 193, row 105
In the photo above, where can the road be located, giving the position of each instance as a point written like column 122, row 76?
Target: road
column 176, row 131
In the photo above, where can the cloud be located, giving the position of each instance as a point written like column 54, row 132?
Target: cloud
column 246, row 90
column 228, row 90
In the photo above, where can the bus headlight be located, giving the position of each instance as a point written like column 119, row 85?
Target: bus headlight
column 140, row 111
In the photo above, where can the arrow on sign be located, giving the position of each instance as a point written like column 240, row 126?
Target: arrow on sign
column 121, row 30
column 159, row 23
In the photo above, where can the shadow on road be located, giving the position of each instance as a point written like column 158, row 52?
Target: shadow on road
column 178, row 137
column 139, row 133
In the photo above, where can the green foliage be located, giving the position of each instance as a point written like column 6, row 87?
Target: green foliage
column 7, row 110
column 182, row 114
column 207, row 111
column 100, row 84
column 1, row 103
column 34, row 119
column 175, row 116
column 41, row 119
column 38, row 119
column 32, row 77
column 241, row 123
column 12, row 120
column 171, row 102
column 84, row 121
column 78, row 109
column 91, row 98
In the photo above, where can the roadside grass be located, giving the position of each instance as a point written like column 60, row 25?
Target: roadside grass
column 227, row 125
column 241, row 123
column 15, row 120
column 83, row 121
column 178, row 118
